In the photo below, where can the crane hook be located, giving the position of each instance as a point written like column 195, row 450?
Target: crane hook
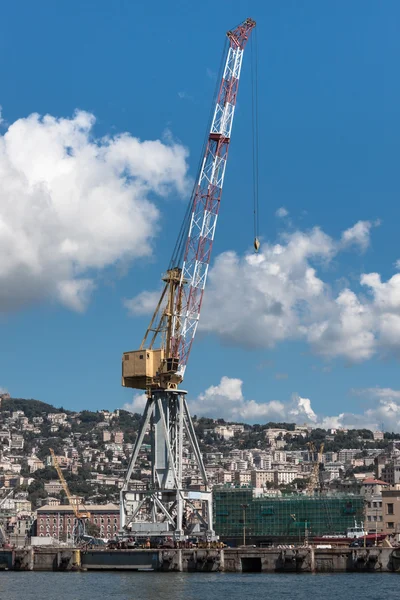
column 256, row 244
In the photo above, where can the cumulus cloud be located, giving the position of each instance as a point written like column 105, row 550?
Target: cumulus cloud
column 72, row 205
column 281, row 212
column 346, row 329
column 384, row 412
column 137, row 405
column 226, row 400
column 260, row 300
column 142, row 304
column 257, row 300
column 358, row 235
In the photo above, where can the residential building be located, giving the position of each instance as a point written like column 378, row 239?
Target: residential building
column 391, row 472
column 243, row 477
column 259, row 479
column 17, row 442
column 225, row 432
column 118, row 437
column 373, row 514
column 286, row 476
column 347, row 455
column 391, row 513
column 106, row 435
column 53, row 487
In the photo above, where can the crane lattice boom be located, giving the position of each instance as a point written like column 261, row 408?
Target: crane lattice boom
column 178, row 311
column 74, row 505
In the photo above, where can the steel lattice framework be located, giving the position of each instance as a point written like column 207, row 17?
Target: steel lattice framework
column 206, row 201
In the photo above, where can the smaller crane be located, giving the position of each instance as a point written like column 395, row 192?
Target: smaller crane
column 79, row 529
column 314, row 482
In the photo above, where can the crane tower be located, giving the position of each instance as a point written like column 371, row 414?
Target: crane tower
column 166, row 507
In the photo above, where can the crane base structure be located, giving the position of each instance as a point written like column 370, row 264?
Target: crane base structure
column 166, row 507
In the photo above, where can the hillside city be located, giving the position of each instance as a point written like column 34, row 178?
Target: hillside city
column 93, row 450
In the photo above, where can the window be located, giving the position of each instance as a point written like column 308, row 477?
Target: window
column 369, row 518
column 390, row 525
column 389, row 508
column 141, row 356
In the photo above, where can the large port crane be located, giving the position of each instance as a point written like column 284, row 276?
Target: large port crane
column 165, row 507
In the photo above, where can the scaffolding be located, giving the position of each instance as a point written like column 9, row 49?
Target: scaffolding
column 292, row 516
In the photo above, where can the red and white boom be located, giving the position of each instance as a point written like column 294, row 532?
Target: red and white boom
column 206, row 201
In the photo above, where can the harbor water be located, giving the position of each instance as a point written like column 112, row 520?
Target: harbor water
column 196, row 586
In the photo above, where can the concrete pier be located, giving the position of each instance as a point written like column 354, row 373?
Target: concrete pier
column 234, row 560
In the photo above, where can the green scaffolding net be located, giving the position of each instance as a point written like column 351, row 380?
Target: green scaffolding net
column 285, row 516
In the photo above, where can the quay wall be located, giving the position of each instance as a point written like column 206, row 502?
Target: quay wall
column 234, row 560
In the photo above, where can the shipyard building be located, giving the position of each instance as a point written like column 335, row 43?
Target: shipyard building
column 265, row 520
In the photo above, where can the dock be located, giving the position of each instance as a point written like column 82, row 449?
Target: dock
column 233, row 560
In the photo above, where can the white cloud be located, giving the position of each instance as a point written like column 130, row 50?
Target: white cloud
column 226, row 400
column 142, row 304
column 281, row 212
column 71, row 205
column 384, row 412
column 276, row 295
column 378, row 393
column 137, row 405
column 301, row 409
column 358, row 235
column 397, row 264
column 260, row 300
column 346, row 330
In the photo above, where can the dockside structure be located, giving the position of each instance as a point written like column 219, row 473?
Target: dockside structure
column 293, row 518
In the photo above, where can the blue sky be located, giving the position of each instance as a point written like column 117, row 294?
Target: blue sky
column 329, row 147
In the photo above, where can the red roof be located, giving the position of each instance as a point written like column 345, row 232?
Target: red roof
column 371, row 480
